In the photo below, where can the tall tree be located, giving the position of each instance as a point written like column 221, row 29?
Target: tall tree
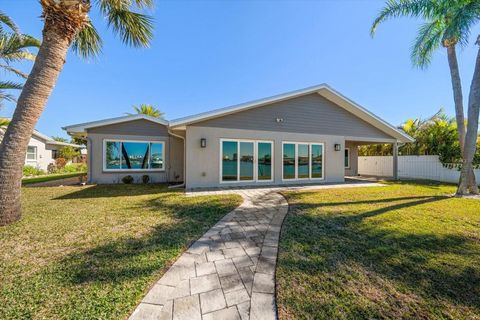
column 447, row 24
column 148, row 110
column 66, row 24
column 13, row 48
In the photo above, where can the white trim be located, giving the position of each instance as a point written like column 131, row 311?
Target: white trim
column 35, row 154
column 104, row 160
column 310, row 144
column 322, row 89
column 82, row 127
column 346, row 167
column 372, row 140
column 255, row 160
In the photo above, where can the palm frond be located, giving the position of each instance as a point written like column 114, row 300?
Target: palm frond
column 404, row 8
column 6, row 20
column 464, row 17
column 13, row 47
column 14, row 70
column 148, row 110
column 135, row 29
column 429, row 39
column 3, row 121
column 6, row 97
column 10, row 85
column 87, row 42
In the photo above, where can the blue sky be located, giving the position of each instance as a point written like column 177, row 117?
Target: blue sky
column 211, row 54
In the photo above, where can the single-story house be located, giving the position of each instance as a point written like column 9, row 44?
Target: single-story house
column 43, row 150
column 305, row 136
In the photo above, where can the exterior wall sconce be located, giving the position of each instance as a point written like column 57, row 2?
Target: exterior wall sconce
column 279, row 120
column 203, row 143
column 338, row 147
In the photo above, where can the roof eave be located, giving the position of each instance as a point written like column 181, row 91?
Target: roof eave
column 82, row 127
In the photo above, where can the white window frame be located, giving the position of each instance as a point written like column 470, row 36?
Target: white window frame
column 255, row 160
column 310, row 144
column 348, row 158
column 35, row 154
column 121, row 156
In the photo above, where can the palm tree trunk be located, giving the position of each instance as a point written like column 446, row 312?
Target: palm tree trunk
column 457, row 94
column 459, row 110
column 32, row 100
column 472, row 131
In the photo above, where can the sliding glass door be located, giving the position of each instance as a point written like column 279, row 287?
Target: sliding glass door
column 229, row 161
column 264, row 160
column 302, row 160
column 244, row 161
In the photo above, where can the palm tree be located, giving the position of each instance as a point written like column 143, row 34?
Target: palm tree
column 66, row 24
column 13, row 48
column 447, row 24
column 148, row 110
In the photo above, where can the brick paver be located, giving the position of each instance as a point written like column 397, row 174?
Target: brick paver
column 229, row 273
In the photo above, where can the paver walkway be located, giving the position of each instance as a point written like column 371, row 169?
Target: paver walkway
column 229, row 273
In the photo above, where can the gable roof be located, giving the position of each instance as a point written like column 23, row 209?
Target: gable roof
column 82, row 127
column 47, row 139
column 323, row 89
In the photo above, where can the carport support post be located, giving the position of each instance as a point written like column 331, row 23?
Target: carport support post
column 395, row 160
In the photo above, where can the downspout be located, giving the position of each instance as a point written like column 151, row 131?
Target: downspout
column 184, row 160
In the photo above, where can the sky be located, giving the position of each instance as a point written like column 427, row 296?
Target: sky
column 212, row 54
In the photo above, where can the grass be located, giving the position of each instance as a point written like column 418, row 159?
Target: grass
column 407, row 250
column 92, row 252
column 51, row 177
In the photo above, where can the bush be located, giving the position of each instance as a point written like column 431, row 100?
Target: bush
column 127, row 179
column 29, row 171
column 69, row 153
column 52, row 168
column 145, row 178
column 60, row 163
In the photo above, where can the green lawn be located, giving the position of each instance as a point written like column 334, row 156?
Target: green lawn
column 92, row 252
column 51, row 177
column 402, row 251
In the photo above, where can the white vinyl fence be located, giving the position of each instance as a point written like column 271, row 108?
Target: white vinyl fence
column 409, row 167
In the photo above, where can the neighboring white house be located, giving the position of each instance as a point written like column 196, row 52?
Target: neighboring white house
column 43, row 150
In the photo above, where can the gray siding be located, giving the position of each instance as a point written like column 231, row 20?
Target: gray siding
column 307, row 114
column 203, row 164
column 139, row 127
column 137, row 130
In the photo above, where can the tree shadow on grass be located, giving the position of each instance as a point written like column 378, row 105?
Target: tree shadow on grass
column 422, row 263
column 125, row 259
column 115, row 190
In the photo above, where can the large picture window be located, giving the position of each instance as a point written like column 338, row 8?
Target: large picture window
column 133, row 155
column 243, row 160
column 302, row 160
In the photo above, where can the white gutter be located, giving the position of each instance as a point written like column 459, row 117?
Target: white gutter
column 184, row 160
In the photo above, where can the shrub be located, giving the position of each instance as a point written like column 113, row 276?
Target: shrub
column 127, row 179
column 29, row 171
column 69, row 153
column 145, row 178
column 60, row 163
column 74, row 167
column 52, row 168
